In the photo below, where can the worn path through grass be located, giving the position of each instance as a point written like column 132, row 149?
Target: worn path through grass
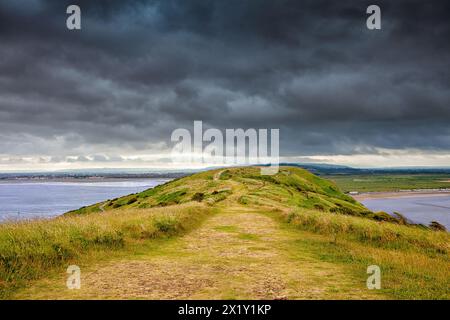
column 238, row 253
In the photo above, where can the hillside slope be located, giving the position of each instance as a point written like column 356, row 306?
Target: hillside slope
column 225, row 234
column 290, row 188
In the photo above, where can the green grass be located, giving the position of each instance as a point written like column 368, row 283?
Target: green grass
column 226, row 229
column 337, row 228
column 390, row 182
column 293, row 186
column 248, row 236
column 30, row 250
column 387, row 235
column 414, row 262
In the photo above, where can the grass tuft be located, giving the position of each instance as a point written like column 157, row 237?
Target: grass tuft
column 30, row 250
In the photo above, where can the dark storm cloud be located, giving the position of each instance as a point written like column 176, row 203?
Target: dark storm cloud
column 139, row 69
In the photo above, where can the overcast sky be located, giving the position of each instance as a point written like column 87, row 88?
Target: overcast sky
column 110, row 95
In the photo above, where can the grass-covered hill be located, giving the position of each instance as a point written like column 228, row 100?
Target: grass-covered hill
column 290, row 188
column 230, row 234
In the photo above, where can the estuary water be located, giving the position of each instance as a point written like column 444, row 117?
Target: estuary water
column 419, row 209
column 29, row 200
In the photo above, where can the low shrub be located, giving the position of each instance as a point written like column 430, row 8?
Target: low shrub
column 199, row 196
column 132, row 200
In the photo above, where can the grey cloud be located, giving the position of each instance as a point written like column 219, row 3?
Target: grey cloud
column 140, row 69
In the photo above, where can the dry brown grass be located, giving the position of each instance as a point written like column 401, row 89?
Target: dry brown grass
column 30, row 250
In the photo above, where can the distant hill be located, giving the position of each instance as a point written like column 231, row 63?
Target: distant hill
column 323, row 168
column 330, row 169
column 131, row 173
column 292, row 187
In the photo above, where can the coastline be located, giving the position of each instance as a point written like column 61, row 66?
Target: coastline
column 400, row 194
column 33, row 199
column 78, row 180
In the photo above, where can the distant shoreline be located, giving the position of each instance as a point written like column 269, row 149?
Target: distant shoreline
column 80, row 179
column 400, row 194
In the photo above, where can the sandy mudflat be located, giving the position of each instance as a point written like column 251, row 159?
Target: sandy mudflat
column 400, row 194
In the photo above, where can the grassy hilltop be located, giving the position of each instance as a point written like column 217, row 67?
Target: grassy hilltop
column 227, row 233
column 291, row 187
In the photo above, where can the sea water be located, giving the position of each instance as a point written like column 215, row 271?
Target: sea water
column 29, row 200
column 418, row 209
